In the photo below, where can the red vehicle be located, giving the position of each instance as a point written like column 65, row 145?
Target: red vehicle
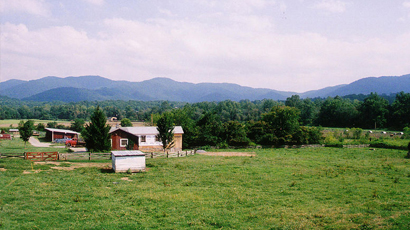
column 73, row 142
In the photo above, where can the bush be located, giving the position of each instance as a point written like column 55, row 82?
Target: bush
column 40, row 127
column 406, row 133
column 331, row 141
column 52, row 124
column 387, row 145
column 357, row 132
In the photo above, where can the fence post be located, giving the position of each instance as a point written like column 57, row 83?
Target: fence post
column 89, row 156
column 178, row 153
column 186, row 153
column 152, row 154
column 167, row 154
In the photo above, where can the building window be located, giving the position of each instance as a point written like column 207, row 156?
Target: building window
column 143, row 138
column 157, row 139
column 123, row 142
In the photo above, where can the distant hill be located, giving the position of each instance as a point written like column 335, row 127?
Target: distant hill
column 96, row 88
column 380, row 85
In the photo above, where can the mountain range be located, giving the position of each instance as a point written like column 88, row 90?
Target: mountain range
column 96, row 88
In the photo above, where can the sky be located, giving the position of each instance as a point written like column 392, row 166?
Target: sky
column 292, row 45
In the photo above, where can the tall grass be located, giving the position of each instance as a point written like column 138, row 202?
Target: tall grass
column 323, row 188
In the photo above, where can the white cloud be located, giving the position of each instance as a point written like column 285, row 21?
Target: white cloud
column 35, row 7
column 195, row 52
column 333, row 6
column 95, row 2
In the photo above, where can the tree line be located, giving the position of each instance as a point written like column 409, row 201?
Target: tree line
column 230, row 123
column 373, row 111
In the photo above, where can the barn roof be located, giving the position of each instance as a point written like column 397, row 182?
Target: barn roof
column 61, row 131
column 145, row 130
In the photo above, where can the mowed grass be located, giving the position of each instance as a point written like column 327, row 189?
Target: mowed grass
column 18, row 147
column 322, row 188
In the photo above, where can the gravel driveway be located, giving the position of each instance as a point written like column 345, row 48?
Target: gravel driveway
column 36, row 143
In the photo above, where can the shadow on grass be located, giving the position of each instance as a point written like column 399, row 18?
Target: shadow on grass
column 107, row 170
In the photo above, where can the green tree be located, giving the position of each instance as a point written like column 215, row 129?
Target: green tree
column 282, row 122
column 78, row 125
column 125, row 122
column 338, row 112
column 96, row 133
column 40, row 127
column 373, row 111
column 165, row 127
column 401, row 111
column 235, row 134
column 26, row 131
column 184, row 117
column 256, row 131
column 52, row 124
column 209, row 130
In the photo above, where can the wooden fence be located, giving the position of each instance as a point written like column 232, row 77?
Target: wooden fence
column 107, row 156
column 169, row 155
column 7, row 155
column 85, row 156
column 41, row 156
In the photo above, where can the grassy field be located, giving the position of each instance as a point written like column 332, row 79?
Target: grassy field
column 14, row 123
column 17, row 146
column 320, row 188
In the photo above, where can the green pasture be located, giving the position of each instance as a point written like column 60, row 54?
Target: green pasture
column 317, row 188
column 16, row 145
column 14, row 123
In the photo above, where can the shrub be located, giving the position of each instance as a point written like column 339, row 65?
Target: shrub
column 406, row 133
column 357, row 132
column 40, row 127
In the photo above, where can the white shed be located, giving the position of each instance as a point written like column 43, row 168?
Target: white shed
column 122, row 161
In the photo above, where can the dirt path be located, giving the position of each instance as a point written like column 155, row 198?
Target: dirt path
column 72, row 166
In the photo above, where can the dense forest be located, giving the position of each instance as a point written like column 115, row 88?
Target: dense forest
column 237, row 123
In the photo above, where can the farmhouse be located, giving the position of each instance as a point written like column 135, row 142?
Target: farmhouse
column 52, row 134
column 144, row 138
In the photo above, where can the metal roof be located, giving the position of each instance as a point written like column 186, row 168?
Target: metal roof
column 145, row 130
column 127, row 153
column 62, row 131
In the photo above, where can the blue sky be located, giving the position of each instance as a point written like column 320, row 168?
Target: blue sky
column 294, row 45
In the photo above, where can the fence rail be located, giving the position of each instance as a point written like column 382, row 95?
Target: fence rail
column 169, row 155
column 85, row 156
column 41, row 156
column 107, row 156
column 7, row 155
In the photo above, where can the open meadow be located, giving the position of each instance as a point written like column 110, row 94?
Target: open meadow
column 316, row 188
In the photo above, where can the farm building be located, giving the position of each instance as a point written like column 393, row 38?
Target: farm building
column 144, row 138
column 52, row 134
column 122, row 161
column 14, row 131
column 4, row 136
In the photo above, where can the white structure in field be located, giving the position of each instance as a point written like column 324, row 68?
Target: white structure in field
column 122, row 161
